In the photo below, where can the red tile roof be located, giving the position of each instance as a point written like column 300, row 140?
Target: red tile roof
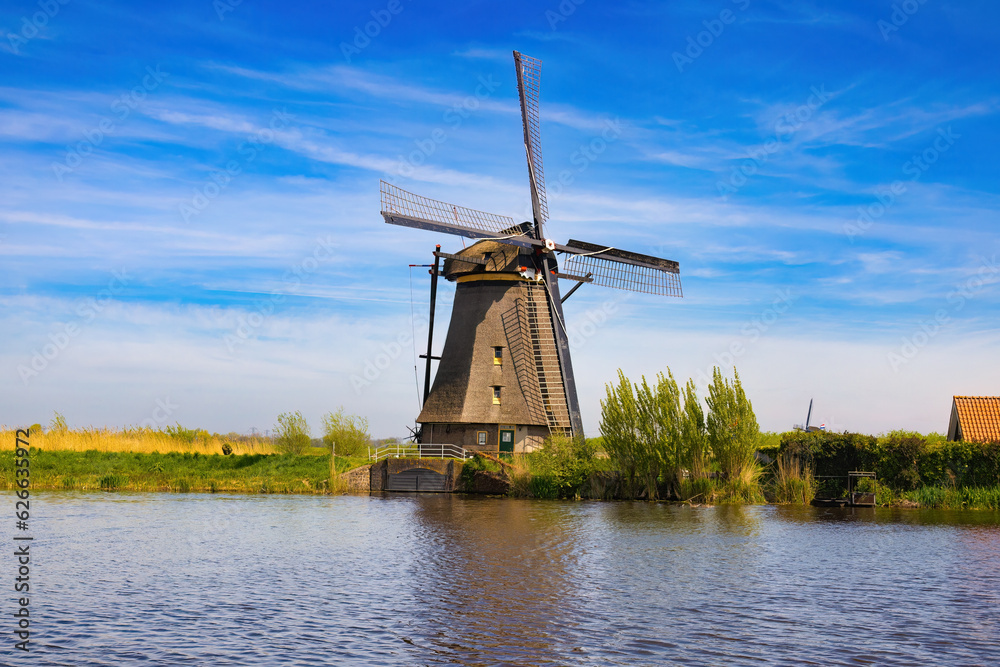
column 979, row 418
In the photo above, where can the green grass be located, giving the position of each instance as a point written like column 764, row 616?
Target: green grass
column 974, row 497
column 180, row 472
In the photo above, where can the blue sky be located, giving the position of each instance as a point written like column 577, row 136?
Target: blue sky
column 190, row 229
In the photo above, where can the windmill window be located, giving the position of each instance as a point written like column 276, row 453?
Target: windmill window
column 481, row 438
column 497, row 356
column 496, row 395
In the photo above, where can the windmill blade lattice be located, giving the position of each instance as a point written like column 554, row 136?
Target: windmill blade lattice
column 529, row 76
column 622, row 269
column 400, row 207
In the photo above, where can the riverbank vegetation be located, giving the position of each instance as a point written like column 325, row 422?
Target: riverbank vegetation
column 174, row 471
column 911, row 469
column 657, row 442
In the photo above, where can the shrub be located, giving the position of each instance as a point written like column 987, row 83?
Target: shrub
column 291, row 433
column 832, row 453
column 900, row 453
column 187, row 435
column 562, row 467
column 347, row 435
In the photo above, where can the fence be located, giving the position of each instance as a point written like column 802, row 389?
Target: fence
column 418, row 451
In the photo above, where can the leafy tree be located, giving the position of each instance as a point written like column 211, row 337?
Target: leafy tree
column 731, row 429
column 660, row 426
column 693, row 433
column 641, row 427
column 292, row 433
column 619, row 429
column 347, row 435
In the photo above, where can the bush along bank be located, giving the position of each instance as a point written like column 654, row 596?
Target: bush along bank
column 912, row 469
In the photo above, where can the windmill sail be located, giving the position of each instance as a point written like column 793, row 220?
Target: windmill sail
column 400, row 207
column 529, row 76
column 622, row 269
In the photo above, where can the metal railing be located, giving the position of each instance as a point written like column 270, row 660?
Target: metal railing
column 418, row 451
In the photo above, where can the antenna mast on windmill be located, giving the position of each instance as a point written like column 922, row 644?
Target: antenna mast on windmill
column 505, row 378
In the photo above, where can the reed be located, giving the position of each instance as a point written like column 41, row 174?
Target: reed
column 793, row 481
column 697, row 489
column 742, row 487
column 143, row 440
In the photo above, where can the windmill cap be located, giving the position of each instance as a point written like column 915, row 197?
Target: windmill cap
column 487, row 257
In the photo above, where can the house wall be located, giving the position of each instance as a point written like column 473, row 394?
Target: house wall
column 526, row 437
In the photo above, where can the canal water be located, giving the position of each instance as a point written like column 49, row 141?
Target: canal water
column 197, row 579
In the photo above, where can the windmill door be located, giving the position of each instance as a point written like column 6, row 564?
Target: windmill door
column 506, row 441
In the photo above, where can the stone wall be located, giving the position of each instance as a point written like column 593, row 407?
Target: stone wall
column 357, row 480
column 377, row 477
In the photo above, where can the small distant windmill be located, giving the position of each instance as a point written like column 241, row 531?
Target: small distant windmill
column 505, row 379
column 807, row 428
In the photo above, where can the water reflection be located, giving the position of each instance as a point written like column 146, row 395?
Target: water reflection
column 429, row 579
column 496, row 577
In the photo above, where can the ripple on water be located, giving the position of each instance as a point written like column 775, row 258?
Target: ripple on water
column 165, row 579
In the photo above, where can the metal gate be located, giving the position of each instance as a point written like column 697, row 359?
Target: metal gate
column 417, row 479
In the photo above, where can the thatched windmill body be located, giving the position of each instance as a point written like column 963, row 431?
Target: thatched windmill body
column 505, row 378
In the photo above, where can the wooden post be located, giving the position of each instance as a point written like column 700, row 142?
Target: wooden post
column 430, row 327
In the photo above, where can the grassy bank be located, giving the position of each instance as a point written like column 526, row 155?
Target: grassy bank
column 175, row 471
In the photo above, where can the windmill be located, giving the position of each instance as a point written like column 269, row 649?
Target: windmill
column 505, row 378
column 807, row 428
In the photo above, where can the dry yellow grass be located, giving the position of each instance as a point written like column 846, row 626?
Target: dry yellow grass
column 140, row 440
